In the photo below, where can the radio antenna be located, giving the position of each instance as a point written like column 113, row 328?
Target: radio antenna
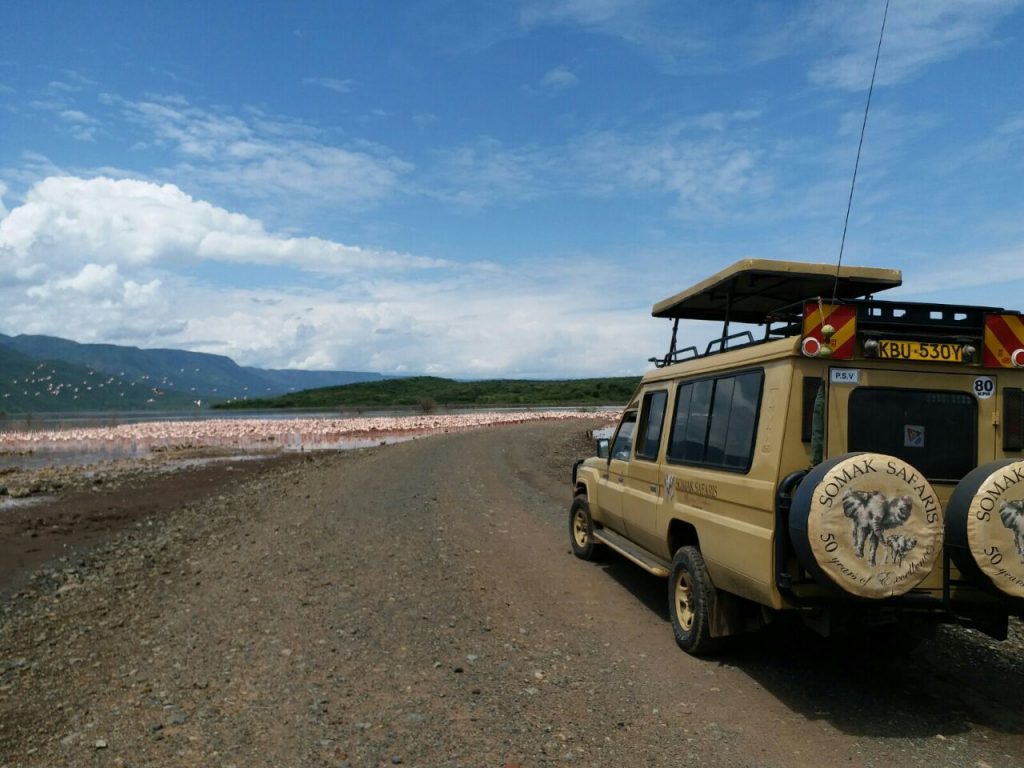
column 856, row 164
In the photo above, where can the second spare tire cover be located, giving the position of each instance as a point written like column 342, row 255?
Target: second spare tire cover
column 985, row 525
column 868, row 523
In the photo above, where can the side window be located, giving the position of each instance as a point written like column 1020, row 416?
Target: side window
column 739, row 439
column 715, row 421
column 624, row 437
column 697, row 421
column 677, row 441
column 652, row 416
column 720, row 413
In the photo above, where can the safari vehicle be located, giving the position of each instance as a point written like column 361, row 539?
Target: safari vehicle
column 860, row 463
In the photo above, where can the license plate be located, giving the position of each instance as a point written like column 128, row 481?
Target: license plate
column 921, row 350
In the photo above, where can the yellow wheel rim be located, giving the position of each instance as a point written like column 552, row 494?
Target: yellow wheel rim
column 684, row 602
column 579, row 528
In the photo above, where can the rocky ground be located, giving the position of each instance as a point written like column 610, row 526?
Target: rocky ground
column 416, row 604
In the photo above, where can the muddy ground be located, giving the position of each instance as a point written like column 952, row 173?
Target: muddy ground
column 417, row 604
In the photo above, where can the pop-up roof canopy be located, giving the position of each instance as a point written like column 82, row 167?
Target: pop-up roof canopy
column 751, row 290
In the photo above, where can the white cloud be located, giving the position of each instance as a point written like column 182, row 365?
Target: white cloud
column 330, row 83
column 559, row 78
column 77, row 116
column 702, row 167
column 917, row 36
column 839, row 39
column 114, row 260
column 257, row 156
column 593, row 13
column 705, row 175
column 515, row 322
column 68, row 221
column 486, row 171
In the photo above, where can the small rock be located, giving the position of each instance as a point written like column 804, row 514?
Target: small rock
column 101, row 744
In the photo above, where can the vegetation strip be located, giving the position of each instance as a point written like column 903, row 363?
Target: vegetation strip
column 430, row 392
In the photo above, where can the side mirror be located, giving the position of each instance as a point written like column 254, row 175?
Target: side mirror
column 602, row 448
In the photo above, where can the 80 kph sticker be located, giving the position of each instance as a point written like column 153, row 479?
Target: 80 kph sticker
column 984, row 387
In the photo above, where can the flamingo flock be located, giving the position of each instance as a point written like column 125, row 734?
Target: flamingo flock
column 46, row 381
column 263, row 434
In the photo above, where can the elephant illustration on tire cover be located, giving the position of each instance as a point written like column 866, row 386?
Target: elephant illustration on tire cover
column 873, row 513
column 1012, row 515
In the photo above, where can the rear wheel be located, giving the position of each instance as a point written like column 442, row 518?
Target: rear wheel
column 581, row 530
column 690, row 599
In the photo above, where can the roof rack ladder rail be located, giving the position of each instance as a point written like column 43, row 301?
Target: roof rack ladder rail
column 670, row 356
column 728, row 311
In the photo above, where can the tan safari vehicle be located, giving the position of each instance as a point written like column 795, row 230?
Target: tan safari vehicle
column 860, row 463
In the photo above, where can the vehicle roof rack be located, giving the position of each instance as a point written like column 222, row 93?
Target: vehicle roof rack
column 763, row 292
column 752, row 290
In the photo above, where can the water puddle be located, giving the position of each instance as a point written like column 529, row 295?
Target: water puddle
column 7, row 502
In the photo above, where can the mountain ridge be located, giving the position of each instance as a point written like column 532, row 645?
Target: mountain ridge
column 50, row 373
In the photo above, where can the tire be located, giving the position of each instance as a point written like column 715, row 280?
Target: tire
column 690, row 601
column 581, row 531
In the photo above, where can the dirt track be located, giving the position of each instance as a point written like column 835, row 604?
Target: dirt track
column 417, row 605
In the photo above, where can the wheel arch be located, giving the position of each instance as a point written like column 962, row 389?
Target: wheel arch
column 681, row 534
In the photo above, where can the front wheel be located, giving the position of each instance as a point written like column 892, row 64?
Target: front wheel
column 581, row 530
column 690, row 600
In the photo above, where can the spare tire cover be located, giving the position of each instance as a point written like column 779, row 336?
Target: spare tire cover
column 867, row 522
column 986, row 521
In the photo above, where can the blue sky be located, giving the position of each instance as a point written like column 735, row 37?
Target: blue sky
column 480, row 189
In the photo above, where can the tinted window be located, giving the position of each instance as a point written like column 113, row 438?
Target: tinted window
column 651, row 418
column 716, row 420
column 739, row 441
column 697, row 421
column 715, row 451
column 935, row 431
column 678, row 435
column 624, row 437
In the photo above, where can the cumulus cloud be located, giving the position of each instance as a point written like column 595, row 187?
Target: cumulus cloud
column 67, row 221
column 116, row 261
column 511, row 322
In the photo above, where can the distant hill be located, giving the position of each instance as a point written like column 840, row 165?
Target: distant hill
column 28, row 385
column 173, row 378
column 427, row 392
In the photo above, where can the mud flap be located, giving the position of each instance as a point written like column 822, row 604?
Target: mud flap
column 726, row 615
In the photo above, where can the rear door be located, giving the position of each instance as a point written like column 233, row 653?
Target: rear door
column 940, row 423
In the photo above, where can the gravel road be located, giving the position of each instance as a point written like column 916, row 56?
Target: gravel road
column 417, row 604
